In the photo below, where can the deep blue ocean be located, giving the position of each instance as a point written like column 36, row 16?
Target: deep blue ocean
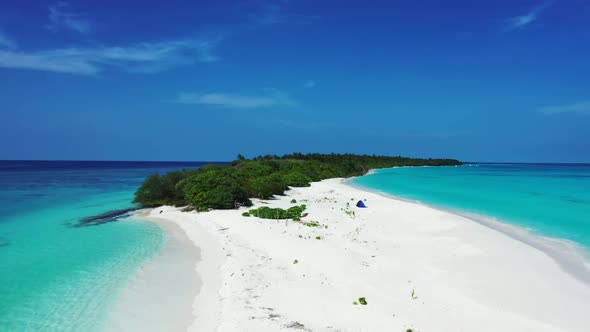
column 551, row 200
column 55, row 276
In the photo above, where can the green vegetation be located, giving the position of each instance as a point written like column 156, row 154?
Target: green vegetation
column 293, row 201
column 311, row 223
column 295, row 261
column 230, row 186
column 265, row 212
column 362, row 301
column 215, row 189
column 318, row 237
column 297, row 179
column 159, row 190
column 350, row 213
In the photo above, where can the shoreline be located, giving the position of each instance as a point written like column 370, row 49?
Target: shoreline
column 167, row 280
column 419, row 268
column 204, row 304
column 572, row 257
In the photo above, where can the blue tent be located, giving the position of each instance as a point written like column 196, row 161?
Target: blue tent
column 361, row 204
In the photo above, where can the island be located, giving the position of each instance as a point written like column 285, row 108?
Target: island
column 217, row 186
column 289, row 243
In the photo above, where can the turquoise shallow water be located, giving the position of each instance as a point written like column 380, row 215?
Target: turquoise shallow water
column 55, row 277
column 549, row 199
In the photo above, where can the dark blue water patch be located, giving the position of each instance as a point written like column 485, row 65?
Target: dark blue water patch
column 104, row 218
column 35, row 195
column 47, row 165
column 575, row 200
column 4, row 242
column 35, row 185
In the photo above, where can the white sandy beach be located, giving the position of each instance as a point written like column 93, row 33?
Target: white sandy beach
column 159, row 296
column 465, row 276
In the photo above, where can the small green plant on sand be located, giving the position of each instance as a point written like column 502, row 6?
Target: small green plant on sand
column 311, row 223
column 409, row 330
column 362, row 301
column 351, row 214
column 295, row 261
column 318, row 237
column 414, row 294
column 293, row 201
column 355, row 302
column 246, row 214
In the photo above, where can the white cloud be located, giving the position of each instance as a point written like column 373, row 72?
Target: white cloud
column 521, row 21
column 6, row 42
column 580, row 108
column 138, row 57
column 47, row 61
column 62, row 16
column 309, row 84
column 269, row 98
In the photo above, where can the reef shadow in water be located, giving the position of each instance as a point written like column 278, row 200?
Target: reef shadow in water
column 4, row 242
column 104, row 218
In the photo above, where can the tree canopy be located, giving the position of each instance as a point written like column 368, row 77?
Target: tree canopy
column 232, row 185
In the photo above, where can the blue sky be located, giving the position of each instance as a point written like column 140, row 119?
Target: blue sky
column 205, row 80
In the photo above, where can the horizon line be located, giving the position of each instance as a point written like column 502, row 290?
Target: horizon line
column 229, row 161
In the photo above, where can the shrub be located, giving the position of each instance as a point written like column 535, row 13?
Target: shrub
column 229, row 186
column 362, row 301
column 215, row 189
column 311, row 223
column 351, row 214
column 297, row 179
column 160, row 190
column 293, row 201
column 151, row 192
column 266, row 212
column 266, row 186
column 246, row 214
column 251, row 169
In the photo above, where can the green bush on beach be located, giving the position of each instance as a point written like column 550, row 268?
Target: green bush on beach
column 265, row 212
column 215, row 189
column 266, row 186
column 232, row 185
column 296, row 179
